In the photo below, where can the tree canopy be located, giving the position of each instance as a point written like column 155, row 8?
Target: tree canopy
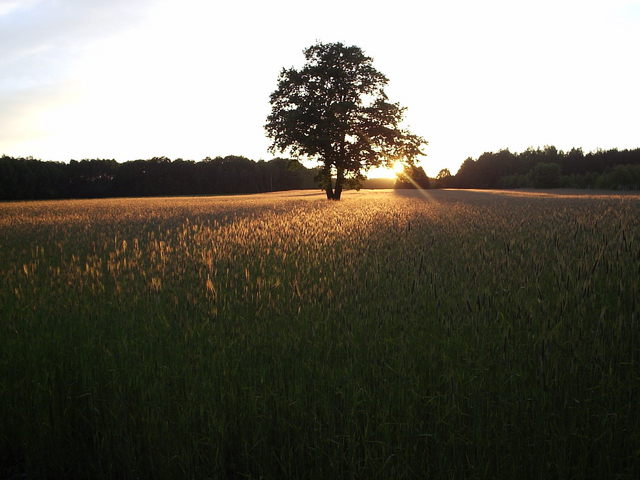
column 334, row 110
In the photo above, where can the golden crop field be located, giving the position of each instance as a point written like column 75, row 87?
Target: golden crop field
column 391, row 335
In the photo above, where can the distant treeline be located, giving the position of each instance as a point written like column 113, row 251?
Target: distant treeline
column 26, row 178
column 547, row 168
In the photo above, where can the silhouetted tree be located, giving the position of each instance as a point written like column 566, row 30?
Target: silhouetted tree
column 412, row 176
column 334, row 110
column 444, row 179
column 466, row 176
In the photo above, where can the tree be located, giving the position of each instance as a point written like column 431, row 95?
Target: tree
column 334, row 110
column 545, row 175
column 467, row 175
column 444, row 178
column 413, row 176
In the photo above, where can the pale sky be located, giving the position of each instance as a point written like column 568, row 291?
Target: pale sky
column 129, row 79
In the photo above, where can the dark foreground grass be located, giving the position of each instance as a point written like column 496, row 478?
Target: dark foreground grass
column 465, row 335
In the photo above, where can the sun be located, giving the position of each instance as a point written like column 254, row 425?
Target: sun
column 398, row 167
column 386, row 172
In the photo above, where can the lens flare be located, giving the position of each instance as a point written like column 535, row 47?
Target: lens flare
column 398, row 167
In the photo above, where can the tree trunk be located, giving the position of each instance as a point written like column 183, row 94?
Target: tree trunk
column 337, row 192
column 334, row 191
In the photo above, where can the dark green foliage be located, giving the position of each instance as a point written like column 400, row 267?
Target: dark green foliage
column 26, row 178
column 545, row 175
column 517, row 180
column 29, row 179
column 611, row 169
column 334, row 110
column 621, row 177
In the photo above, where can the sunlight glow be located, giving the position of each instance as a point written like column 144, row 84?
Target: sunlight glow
column 192, row 78
column 381, row 172
column 398, row 167
column 386, row 172
column 420, row 190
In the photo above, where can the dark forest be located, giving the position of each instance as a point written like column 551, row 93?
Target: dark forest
column 548, row 167
column 26, row 178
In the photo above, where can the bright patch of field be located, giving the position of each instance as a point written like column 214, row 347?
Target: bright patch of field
column 389, row 335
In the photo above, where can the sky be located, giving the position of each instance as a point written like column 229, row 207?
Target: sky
column 188, row 79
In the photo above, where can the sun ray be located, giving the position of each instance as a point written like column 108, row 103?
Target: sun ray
column 421, row 190
column 398, row 167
